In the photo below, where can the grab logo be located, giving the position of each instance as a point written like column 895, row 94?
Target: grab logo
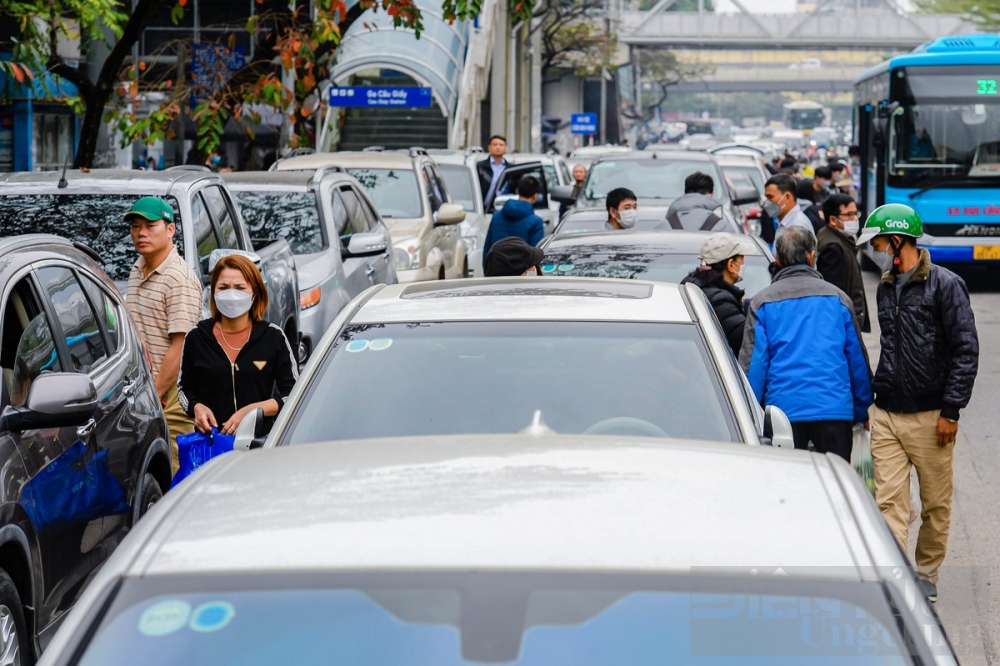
column 897, row 224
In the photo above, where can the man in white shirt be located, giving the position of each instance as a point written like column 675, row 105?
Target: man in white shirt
column 782, row 204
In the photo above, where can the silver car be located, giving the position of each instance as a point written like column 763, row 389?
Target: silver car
column 340, row 243
column 571, row 355
column 514, row 549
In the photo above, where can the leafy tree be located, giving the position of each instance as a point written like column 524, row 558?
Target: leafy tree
column 294, row 52
column 661, row 69
column 575, row 38
column 985, row 13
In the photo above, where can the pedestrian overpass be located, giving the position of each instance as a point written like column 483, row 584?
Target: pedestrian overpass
column 735, row 79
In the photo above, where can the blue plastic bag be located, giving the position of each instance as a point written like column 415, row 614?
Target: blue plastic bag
column 197, row 448
column 73, row 488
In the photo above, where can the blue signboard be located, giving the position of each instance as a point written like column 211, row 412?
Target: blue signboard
column 370, row 97
column 583, row 123
column 213, row 65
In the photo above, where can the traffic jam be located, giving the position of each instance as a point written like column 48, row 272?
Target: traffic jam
column 482, row 406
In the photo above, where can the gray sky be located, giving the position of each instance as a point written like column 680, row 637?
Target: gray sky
column 758, row 6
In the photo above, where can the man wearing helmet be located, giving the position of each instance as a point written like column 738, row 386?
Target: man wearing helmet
column 928, row 364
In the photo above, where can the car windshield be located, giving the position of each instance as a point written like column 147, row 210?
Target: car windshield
column 658, row 181
column 515, row 619
column 394, row 191
column 93, row 219
column 292, row 216
column 642, row 263
column 393, row 380
column 947, row 125
column 458, row 181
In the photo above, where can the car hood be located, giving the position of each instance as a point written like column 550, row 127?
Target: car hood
column 313, row 268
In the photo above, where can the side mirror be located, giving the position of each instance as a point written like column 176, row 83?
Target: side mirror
column 55, row 400
column 745, row 194
column 450, row 213
column 250, row 431
column 366, row 244
column 777, row 429
column 562, row 194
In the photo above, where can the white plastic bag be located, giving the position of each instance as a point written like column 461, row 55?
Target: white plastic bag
column 915, row 506
column 861, row 456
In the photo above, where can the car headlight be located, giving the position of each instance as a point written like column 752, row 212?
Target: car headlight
column 309, row 298
column 406, row 257
column 471, row 243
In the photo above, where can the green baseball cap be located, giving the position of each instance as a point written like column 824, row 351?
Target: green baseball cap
column 152, row 209
column 891, row 219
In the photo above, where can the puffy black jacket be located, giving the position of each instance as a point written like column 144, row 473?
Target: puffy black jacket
column 930, row 348
column 726, row 300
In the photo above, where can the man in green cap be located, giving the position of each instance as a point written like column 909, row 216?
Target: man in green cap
column 928, row 365
column 164, row 298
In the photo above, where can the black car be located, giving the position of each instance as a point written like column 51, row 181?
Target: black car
column 83, row 442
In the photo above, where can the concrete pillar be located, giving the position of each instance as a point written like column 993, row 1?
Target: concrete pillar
column 498, row 76
column 535, row 51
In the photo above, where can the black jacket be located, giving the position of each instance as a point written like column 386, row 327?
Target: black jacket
column 485, row 172
column 265, row 368
column 930, row 349
column 837, row 261
column 726, row 300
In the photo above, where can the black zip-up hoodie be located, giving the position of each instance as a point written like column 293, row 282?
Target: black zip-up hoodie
column 264, row 368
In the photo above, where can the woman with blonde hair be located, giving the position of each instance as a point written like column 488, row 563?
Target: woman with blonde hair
column 235, row 362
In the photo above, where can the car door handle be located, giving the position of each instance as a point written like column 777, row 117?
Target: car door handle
column 370, row 271
column 87, row 428
column 129, row 386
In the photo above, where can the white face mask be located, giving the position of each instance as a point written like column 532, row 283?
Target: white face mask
column 740, row 271
column 233, row 303
column 628, row 218
column 851, row 227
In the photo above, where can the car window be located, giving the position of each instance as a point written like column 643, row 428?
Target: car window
column 551, row 179
column 218, row 206
column 434, row 191
column 204, row 234
column 341, row 218
column 357, row 222
column 28, row 347
column 293, row 216
column 76, row 318
column 95, row 220
column 107, row 312
column 661, row 180
column 458, row 178
column 394, row 191
column 366, row 209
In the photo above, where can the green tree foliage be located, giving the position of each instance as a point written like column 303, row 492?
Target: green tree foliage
column 985, row 13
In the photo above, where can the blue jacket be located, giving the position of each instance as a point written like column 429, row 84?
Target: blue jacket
column 802, row 349
column 516, row 218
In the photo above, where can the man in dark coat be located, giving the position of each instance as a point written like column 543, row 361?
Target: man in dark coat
column 490, row 169
column 721, row 268
column 837, row 258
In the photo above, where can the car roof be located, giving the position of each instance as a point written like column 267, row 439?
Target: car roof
column 526, row 299
column 662, row 242
column 258, row 180
column 348, row 159
column 736, row 160
column 154, row 183
column 665, row 155
column 504, row 502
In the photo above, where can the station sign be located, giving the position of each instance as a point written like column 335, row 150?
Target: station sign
column 583, row 123
column 361, row 96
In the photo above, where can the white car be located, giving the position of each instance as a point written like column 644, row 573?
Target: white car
column 412, row 198
column 458, row 168
column 525, row 550
column 590, row 154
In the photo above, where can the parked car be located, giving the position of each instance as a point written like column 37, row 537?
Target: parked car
column 83, row 442
column 458, row 168
column 411, row 196
column 88, row 207
column 537, row 346
column 513, row 549
column 340, row 243
column 644, row 255
column 657, row 178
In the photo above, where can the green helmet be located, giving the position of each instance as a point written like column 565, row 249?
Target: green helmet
column 895, row 219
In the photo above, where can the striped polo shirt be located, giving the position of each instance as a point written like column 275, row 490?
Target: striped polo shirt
column 167, row 301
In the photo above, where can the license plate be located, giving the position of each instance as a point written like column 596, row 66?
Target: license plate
column 986, row 252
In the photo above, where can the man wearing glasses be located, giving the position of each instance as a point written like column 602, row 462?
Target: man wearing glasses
column 837, row 258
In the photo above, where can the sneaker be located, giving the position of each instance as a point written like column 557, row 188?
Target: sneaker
column 929, row 589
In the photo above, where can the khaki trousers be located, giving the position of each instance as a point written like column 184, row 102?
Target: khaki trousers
column 900, row 441
column 178, row 422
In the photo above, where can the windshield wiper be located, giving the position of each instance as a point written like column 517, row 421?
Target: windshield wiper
column 968, row 182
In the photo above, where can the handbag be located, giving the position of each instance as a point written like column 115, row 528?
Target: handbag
column 197, row 448
column 73, row 488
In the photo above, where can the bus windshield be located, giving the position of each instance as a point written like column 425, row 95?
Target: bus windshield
column 804, row 115
column 947, row 126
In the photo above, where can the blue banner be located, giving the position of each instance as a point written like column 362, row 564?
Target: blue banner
column 358, row 96
column 583, row 123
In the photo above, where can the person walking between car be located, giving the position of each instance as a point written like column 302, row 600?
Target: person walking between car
column 235, row 361
column 837, row 256
column 623, row 209
column 164, row 299
column 722, row 265
column 925, row 375
column 696, row 209
column 579, row 175
column 802, row 350
column 491, row 169
column 517, row 217
column 782, row 205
